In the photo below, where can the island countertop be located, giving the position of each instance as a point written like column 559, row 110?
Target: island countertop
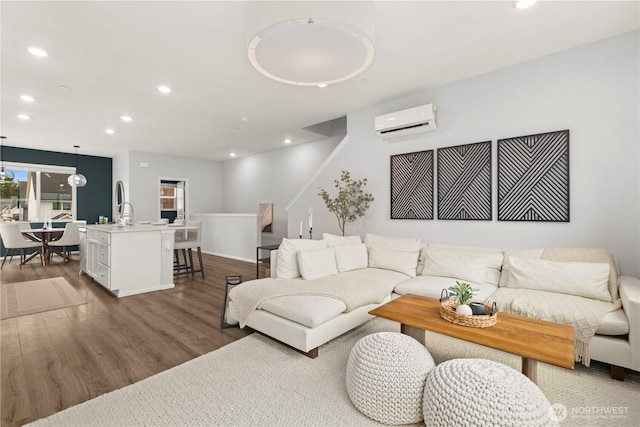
column 114, row 228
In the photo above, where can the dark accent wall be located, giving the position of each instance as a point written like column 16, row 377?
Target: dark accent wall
column 95, row 198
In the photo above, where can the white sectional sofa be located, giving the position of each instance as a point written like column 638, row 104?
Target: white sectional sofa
column 306, row 301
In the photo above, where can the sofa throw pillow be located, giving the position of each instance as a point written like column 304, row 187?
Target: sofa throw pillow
column 316, row 263
column 405, row 262
column 392, row 243
column 585, row 279
column 333, row 240
column 521, row 253
column 474, row 265
column 460, row 267
column 287, row 265
column 587, row 255
column 351, row 257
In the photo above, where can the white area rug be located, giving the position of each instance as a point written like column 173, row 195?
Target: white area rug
column 258, row 382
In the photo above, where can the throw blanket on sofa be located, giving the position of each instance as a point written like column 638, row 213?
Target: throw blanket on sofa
column 354, row 292
column 584, row 314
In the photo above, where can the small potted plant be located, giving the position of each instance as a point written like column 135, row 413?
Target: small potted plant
column 462, row 293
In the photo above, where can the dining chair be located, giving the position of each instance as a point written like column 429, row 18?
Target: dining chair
column 184, row 243
column 70, row 237
column 12, row 238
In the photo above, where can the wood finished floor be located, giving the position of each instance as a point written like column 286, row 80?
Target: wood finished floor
column 56, row 359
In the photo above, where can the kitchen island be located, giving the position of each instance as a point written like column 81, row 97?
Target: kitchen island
column 128, row 260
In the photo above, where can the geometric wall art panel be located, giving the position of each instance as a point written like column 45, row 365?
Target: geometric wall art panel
column 464, row 182
column 412, row 185
column 533, row 177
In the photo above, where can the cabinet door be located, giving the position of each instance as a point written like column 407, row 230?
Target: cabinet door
column 102, row 275
column 92, row 249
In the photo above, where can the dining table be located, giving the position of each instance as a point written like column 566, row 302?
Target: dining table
column 45, row 236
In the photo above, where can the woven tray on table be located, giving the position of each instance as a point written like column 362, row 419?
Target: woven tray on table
column 448, row 313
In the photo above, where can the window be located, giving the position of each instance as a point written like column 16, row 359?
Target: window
column 168, row 196
column 36, row 193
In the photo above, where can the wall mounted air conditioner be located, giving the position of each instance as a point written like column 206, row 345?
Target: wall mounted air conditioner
column 407, row 122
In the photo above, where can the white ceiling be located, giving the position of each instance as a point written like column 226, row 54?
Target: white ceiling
column 112, row 55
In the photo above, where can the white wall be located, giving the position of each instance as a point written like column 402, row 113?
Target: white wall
column 230, row 235
column 275, row 177
column 204, row 183
column 592, row 90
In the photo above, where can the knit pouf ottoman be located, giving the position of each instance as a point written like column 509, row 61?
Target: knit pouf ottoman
column 482, row 392
column 386, row 374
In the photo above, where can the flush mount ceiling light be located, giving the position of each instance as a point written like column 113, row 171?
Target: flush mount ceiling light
column 23, row 117
column 5, row 175
column 310, row 43
column 109, row 131
column 311, row 51
column 27, row 98
column 164, row 89
column 126, row 118
column 77, row 179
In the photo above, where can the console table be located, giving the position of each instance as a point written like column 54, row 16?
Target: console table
column 260, row 260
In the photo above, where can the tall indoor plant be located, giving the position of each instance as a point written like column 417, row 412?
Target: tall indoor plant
column 351, row 202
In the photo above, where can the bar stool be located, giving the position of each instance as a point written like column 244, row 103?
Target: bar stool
column 185, row 243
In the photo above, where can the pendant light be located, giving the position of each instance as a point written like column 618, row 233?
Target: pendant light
column 5, row 175
column 77, row 179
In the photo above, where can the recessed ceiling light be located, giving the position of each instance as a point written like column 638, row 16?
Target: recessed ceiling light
column 110, row 131
column 64, row 87
column 164, row 89
column 287, row 141
column 27, row 98
column 244, row 119
column 126, row 118
column 322, row 85
column 38, row 52
column 23, row 117
column 232, row 154
column 523, row 4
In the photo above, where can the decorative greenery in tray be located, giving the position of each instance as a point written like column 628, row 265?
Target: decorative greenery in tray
column 462, row 293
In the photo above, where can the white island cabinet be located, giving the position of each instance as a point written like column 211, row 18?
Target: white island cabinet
column 128, row 260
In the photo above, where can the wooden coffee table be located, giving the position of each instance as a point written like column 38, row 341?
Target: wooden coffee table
column 532, row 339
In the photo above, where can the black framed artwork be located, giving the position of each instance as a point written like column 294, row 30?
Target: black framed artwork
column 464, row 182
column 533, row 177
column 412, row 185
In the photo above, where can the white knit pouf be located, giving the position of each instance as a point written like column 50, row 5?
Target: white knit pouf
column 482, row 392
column 386, row 373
